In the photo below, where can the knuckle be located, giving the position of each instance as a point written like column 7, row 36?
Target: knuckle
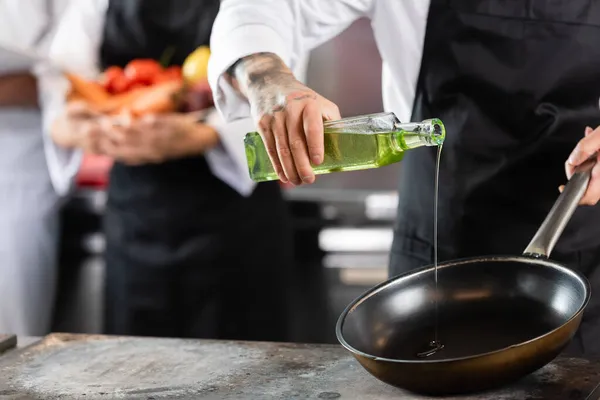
column 297, row 144
column 272, row 151
column 284, row 151
column 279, row 133
column 264, row 124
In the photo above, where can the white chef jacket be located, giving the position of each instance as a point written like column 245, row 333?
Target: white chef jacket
column 290, row 28
column 76, row 45
column 20, row 127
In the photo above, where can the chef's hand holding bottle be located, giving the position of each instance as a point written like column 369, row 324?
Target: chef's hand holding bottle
column 289, row 115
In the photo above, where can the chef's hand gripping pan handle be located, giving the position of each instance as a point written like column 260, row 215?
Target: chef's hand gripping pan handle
column 546, row 237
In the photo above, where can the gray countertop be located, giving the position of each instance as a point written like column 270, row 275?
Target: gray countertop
column 100, row 367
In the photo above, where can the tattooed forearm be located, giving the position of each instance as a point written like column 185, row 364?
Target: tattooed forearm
column 267, row 83
column 258, row 71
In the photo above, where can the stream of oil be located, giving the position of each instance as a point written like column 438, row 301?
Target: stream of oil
column 435, row 345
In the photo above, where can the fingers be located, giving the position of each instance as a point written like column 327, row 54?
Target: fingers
column 115, row 133
column 93, row 138
column 313, row 129
column 331, row 112
column 282, row 144
column 264, row 127
column 588, row 130
column 295, row 122
column 80, row 110
column 292, row 131
column 592, row 194
column 587, row 146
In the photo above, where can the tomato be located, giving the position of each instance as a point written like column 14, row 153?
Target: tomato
column 112, row 75
column 174, row 71
column 142, row 71
column 169, row 74
column 119, row 84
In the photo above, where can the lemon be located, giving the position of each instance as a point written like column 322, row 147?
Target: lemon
column 196, row 65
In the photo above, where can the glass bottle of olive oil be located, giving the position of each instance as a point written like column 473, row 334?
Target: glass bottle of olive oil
column 363, row 142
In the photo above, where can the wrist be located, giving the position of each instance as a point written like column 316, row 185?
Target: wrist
column 203, row 138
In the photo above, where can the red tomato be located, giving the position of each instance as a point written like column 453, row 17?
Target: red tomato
column 174, row 71
column 119, row 84
column 142, row 71
column 111, row 75
column 169, row 74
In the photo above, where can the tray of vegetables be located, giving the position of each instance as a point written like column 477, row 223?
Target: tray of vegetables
column 142, row 87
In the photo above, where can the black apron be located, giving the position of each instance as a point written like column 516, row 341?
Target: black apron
column 516, row 83
column 186, row 255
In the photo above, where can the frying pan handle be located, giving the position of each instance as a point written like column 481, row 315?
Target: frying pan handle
column 546, row 237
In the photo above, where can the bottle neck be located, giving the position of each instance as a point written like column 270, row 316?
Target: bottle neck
column 417, row 134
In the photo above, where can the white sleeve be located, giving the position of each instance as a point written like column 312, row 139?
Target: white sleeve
column 288, row 28
column 74, row 44
column 227, row 160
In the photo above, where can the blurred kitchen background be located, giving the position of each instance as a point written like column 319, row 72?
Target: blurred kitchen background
column 343, row 223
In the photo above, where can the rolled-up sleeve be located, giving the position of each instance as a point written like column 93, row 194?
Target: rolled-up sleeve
column 73, row 45
column 288, row 28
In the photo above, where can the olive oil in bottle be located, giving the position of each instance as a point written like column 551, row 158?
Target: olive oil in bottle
column 363, row 142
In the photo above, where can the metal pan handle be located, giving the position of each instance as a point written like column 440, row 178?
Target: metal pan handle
column 546, row 237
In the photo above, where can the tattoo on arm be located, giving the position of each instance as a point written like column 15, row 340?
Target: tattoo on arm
column 258, row 71
column 266, row 81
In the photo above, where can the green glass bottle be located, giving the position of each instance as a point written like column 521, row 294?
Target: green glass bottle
column 363, row 142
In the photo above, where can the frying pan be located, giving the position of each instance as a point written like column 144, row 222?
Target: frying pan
column 498, row 317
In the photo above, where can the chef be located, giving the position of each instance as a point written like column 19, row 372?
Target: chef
column 516, row 83
column 29, row 211
column 194, row 247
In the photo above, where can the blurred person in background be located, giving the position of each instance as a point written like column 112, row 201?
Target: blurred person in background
column 29, row 211
column 194, row 247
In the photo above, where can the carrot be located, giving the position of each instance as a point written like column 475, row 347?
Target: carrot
column 159, row 98
column 92, row 92
column 117, row 102
column 74, row 96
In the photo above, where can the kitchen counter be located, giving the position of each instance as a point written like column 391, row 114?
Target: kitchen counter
column 100, row 367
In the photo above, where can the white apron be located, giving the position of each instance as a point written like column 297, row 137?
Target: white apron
column 29, row 221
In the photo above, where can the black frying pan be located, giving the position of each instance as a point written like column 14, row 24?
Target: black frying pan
column 500, row 318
